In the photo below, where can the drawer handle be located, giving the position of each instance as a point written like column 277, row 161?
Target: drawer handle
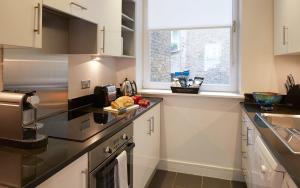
column 150, row 126
column 103, row 40
column 248, row 143
column 84, row 174
column 78, row 5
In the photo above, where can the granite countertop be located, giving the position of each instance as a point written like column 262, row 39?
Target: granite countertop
column 290, row 161
column 29, row 168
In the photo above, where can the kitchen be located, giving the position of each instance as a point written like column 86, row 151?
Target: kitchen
column 64, row 49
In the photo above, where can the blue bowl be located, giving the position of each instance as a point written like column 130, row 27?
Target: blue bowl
column 267, row 99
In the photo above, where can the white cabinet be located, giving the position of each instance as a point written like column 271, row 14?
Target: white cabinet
column 21, row 23
column 116, row 27
column 248, row 137
column 259, row 167
column 267, row 172
column 110, row 40
column 288, row 182
column 286, row 27
column 146, row 154
column 61, row 5
column 74, row 175
column 79, row 8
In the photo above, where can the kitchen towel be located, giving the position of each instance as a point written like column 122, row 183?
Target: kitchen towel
column 120, row 174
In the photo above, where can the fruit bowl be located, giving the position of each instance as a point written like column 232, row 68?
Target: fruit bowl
column 266, row 100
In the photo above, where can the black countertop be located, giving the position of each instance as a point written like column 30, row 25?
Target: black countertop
column 29, row 168
column 290, row 161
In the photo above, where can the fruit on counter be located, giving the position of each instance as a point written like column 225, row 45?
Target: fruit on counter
column 144, row 102
column 122, row 102
column 136, row 98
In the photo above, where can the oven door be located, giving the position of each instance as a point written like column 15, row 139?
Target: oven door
column 103, row 175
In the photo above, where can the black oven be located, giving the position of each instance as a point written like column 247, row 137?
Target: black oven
column 102, row 159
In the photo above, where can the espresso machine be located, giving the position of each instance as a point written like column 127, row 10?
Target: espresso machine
column 18, row 120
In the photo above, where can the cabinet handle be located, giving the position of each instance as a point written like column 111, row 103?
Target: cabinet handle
column 284, row 35
column 152, row 124
column 103, row 40
column 248, row 129
column 38, row 8
column 84, row 174
column 78, row 5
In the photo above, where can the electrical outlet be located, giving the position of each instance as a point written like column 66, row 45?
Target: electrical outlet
column 85, row 84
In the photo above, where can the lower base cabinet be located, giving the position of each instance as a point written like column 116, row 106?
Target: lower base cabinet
column 288, row 182
column 146, row 154
column 259, row 166
column 75, row 175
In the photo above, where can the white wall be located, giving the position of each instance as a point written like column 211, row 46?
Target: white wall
column 125, row 68
column 261, row 71
column 201, row 136
column 82, row 67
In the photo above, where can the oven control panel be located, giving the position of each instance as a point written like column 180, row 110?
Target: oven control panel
column 108, row 147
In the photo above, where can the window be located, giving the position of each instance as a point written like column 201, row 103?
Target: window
column 205, row 47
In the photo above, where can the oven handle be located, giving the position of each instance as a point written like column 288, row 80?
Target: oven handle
column 128, row 146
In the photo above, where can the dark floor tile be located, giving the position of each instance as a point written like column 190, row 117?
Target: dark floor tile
column 163, row 179
column 237, row 184
column 187, row 181
column 215, row 183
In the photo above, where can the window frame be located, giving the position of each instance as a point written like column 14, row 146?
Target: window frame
column 234, row 68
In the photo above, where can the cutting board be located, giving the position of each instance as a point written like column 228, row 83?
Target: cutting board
column 110, row 109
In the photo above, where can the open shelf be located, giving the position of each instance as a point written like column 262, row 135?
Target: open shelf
column 125, row 17
column 125, row 28
column 128, row 28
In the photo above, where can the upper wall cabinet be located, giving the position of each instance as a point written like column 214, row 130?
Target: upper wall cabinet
column 21, row 23
column 116, row 27
column 109, row 25
column 78, row 8
column 286, row 27
column 52, row 27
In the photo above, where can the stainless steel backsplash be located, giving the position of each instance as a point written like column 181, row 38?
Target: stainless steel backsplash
column 30, row 70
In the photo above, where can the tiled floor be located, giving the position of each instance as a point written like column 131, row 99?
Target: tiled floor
column 164, row 179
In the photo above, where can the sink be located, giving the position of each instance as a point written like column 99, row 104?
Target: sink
column 286, row 127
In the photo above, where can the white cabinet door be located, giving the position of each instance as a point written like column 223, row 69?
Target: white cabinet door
column 247, row 149
column 156, row 133
column 110, row 21
column 74, row 175
column 142, row 153
column 286, row 27
column 79, row 8
column 85, row 9
column 146, row 154
column 21, row 23
column 280, row 27
column 61, row 5
column 293, row 26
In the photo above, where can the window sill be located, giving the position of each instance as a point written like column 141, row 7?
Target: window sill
column 200, row 94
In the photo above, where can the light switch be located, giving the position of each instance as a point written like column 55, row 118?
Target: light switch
column 85, row 84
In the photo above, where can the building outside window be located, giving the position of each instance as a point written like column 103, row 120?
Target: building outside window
column 205, row 51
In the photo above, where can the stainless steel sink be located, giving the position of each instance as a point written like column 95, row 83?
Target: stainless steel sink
column 286, row 127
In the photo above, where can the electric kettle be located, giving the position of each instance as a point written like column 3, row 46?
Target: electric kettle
column 128, row 88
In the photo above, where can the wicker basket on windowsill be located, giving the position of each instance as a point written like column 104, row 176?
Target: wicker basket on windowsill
column 187, row 90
